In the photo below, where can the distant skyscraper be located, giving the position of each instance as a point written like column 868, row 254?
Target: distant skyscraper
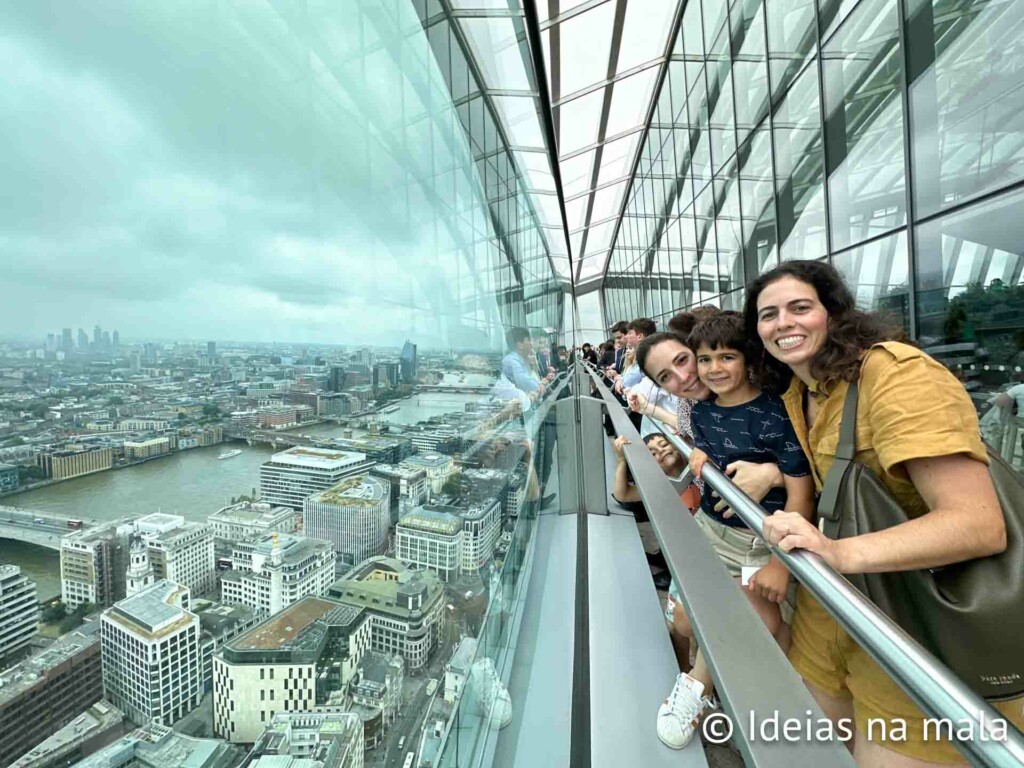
column 97, row 336
column 149, row 352
column 65, row 340
column 51, row 342
column 116, row 338
column 336, row 381
column 106, row 339
column 83, row 340
column 135, row 361
column 211, row 349
column 408, row 361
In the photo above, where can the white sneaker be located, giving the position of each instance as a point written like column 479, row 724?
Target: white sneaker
column 677, row 715
column 492, row 694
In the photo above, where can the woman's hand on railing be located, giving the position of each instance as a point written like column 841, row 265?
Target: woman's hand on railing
column 637, row 402
column 790, row 530
column 755, row 480
column 771, row 582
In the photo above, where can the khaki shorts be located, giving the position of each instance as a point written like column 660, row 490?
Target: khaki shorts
column 828, row 658
column 736, row 548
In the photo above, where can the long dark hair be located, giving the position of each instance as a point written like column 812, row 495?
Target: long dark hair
column 850, row 330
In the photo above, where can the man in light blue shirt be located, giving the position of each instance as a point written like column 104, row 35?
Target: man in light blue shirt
column 636, row 331
column 514, row 365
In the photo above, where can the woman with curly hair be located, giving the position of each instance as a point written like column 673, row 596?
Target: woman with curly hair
column 918, row 431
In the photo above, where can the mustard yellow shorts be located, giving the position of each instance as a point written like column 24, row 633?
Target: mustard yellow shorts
column 828, row 658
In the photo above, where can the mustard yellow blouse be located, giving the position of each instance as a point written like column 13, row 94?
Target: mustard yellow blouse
column 909, row 407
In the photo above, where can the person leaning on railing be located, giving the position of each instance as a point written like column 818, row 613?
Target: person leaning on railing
column 918, row 431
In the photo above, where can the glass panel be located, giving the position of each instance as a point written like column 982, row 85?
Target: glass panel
column 968, row 127
column 792, row 40
column 800, row 170
column 877, row 273
column 498, row 53
column 631, row 98
column 578, row 121
column 750, row 69
column 585, row 42
column 864, row 108
column 644, row 32
column 758, row 201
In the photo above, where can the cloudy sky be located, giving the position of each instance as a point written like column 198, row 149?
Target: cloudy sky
column 225, row 170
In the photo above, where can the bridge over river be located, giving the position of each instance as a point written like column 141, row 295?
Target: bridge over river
column 40, row 528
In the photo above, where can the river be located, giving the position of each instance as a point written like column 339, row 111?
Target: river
column 192, row 483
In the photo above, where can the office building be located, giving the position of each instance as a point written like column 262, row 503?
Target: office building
column 321, row 739
column 291, row 662
column 437, row 467
column 404, row 606
column 93, row 729
column 83, row 340
column 290, row 476
column 152, row 665
column 180, row 551
column 274, row 571
column 8, row 477
column 94, row 562
column 481, row 526
column 61, row 465
column 19, row 613
column 252, row 519
column 157, row 746
column 336, row 378
column 407, row 362
column 434, row 439
column 353, row 515
column 47, row 691
column 408, row 486
column 211, row 349
column 65, row 340
column 431, row 539
column 115, row 338
column 137, row 450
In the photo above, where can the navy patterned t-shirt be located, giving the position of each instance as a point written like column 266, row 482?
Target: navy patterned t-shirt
column 758, row 431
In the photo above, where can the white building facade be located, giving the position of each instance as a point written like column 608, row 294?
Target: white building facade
column 353, row 515
column 19, row 612
column 437, row 466
column 271, row 573
column 252, row 519
column 432, row 540
column 292, row 475
column 152, row 666
column 180, row 551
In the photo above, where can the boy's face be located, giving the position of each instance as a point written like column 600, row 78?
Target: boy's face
column 723, row 370
column 668, row 458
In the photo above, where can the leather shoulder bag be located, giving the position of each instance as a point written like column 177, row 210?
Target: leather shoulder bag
column 970, row 615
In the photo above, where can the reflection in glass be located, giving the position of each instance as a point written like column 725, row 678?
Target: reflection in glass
column 864, row 124
column 965, row 69
column 877, row 272
column 792, row 39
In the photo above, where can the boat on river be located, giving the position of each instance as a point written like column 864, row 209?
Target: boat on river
column 230, row 454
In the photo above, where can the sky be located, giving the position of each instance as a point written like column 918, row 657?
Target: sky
column 229, row 171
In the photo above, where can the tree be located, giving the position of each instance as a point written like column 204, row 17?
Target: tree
column 53, row 613
column 115, row 400
column 452, row 486
column 211, row 409
column 181, row 416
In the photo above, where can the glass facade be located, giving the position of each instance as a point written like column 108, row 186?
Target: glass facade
column 883, row 135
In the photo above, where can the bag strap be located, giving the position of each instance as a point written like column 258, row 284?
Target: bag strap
column 828, row 512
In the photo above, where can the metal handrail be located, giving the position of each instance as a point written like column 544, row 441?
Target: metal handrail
column 931, row 684
column 751, row 675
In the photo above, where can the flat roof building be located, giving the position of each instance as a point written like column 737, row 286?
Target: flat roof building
column 252, row 519
column 404, row 605
column 289, row 663
column 431, row 539
column 19, row 613
column 157, row 746
column 272, row 572
column 353, row 515
column 152, row 665
column 320, row 739
column 292, row 475
column 48, row 690
column 96, row 727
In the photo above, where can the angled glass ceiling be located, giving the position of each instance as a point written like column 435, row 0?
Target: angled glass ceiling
column 603, row 60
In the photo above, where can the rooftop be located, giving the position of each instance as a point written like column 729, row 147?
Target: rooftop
column 221, row 617
column 100, row 717
column 290, row 547
column 428, row 459
column 357, row 491
column 434, row 521
column 154, row 610
column 317, row 458
column 250, row 512
column 404, row 471
column 285, row 630
column 157, row 746
column 22, row 676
